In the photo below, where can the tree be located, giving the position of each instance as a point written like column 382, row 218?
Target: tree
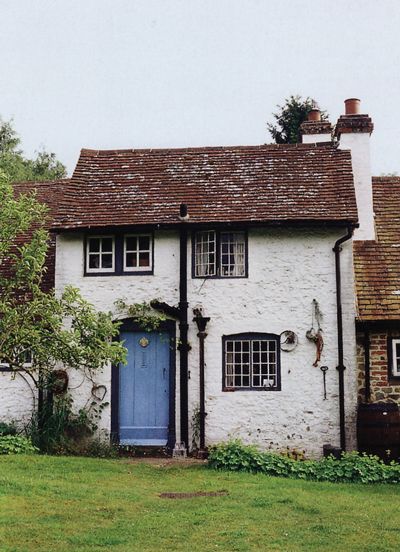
column 44, row 166
column 289, row 118
column 40, row 331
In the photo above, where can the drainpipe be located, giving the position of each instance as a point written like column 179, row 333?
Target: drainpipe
column 367, row 344
column 183, row 324
column 340, row 367
column 201, row 322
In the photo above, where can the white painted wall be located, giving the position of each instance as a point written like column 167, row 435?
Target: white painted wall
column 315, row 138
column 359, row 144
column 18, row 398
column 287, row 270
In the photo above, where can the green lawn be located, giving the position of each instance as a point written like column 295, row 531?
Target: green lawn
column 79, row 504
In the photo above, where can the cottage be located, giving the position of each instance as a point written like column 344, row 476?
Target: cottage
column 248, row 253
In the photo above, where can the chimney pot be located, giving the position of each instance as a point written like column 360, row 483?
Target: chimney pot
column 352, row 106
column 314, row 115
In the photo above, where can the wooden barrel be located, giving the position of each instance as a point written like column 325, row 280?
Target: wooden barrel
column 378, row 430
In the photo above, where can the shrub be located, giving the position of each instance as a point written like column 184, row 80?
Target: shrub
column 352, row 467
column 15, row 444
column 7, row 429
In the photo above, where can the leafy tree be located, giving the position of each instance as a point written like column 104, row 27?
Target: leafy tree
column 289, row 118
column 44, row 166
column 51, row 330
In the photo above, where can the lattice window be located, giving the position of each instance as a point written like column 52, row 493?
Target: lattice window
column 138, row 252
column 233, row 256
column 220, row 254
column 252, row 362
column 100, row 254
column 205, row 249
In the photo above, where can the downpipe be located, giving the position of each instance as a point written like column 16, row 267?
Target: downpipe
column 340, row 367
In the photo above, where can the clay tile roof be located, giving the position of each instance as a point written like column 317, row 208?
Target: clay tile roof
column 377, row 263
column 49, row 193
column 302, row 182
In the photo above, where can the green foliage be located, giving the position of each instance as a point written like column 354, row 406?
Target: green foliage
column 7, row 429
column 353, row 467
column 59, row 429
column 15, row 444
column 289, row 118
column 58, row 330
column 141, row 313
column 17, row 167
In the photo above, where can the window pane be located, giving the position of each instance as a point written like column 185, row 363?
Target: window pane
column 94, row 244
column 131, row 243
column 94, row 261
column 106, row 261
column 144, row 259
column 107, row 244
column 131, row 260
column 144, row 242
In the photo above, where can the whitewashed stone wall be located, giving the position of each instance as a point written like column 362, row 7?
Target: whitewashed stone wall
column 18, row 398
column 287, row 270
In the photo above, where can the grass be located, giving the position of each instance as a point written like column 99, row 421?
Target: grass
column 80, row 504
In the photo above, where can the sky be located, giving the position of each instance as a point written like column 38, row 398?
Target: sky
column 107, row 74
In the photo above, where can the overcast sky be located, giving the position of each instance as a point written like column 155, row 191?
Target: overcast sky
column 169, row 73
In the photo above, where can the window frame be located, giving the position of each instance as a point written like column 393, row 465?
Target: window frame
column 5, row 366
column 140, row 269
column 252, row 336
column 394, row 372
column 118, row 254
column 100, row 270
column 218, row 252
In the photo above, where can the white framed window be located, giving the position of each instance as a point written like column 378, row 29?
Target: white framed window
column 26, row 357
column 138, row 252
column 205, row 254
column 251, row 361
column 100, row 254
column 220, row 254
column 396, row 358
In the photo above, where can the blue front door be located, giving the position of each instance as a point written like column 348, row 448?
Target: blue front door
column 144, row 389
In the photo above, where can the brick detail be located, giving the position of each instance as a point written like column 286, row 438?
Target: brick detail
column 383, row 389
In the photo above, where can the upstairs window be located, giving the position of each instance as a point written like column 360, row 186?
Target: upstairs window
column 251, row 362
column 100, row 254
column 137, row 252
column 119, row 254
column 220, row 254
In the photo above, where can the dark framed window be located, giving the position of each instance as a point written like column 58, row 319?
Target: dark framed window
column 100, row 254
column 220, row 254
column 119, row 254
column 394, row 357
column 251, row 361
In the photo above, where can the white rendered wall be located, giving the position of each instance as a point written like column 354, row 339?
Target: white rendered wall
column 359, row 144
column 18, row 398
column 287, row 270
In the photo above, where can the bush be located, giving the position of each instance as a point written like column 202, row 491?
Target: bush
column 7, row 429
column 352, row 467
column 15, row 444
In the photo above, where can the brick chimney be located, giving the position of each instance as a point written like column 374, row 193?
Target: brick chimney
column 314, row 130
column 353, row 131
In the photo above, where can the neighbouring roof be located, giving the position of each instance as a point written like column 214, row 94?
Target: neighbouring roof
column 377, row 263
column 51, row 194
column 269, row 183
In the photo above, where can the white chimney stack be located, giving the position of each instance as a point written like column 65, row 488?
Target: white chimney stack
column 353, row 131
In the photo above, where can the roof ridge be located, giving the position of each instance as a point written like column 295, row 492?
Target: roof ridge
column 87, row 152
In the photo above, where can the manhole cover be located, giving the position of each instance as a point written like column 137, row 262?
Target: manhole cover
column 193, row 495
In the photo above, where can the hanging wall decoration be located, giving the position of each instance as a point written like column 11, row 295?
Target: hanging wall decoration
column 289, row 341
column 314, row 334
